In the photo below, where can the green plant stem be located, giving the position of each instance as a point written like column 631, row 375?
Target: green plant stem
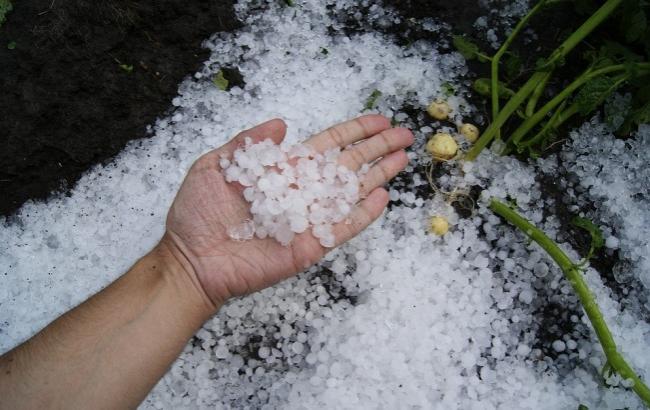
column 556, row 121
column 581, row 32
column 510, row 107
column 551, row 124
column 483, row 56
column 537, row 93
column 587, row 299
column 589, row 75
column 565, row 48
column 566, row 114
column 497, row 58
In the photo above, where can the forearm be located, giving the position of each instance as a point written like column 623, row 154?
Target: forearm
column 112, row 349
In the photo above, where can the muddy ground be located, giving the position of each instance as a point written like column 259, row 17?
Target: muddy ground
column 85, row 77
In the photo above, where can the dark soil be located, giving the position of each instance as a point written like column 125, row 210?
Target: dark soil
column 85, row 77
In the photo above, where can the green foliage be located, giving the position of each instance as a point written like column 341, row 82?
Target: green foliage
column 641, row 115
column 220, row 81
column 618, row 59
column 11, row 45
column 593, row 93
column 289, row 3
column 639, row 111
column 614, row 111
column 5, row 8
column 512, row 65
column 371, row 102
column 483, row 86
column 447, row 89
column 633, row 22
column 126, row 67
column 582, row 407
column 597, row 240
column 612, row 52
column 467, row 48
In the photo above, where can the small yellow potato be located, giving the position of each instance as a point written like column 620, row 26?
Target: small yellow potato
column 439, row 110
column 470, row 132
column 438, row 225
column 442, row 146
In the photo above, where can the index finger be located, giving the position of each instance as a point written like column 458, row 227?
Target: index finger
column 349, row 132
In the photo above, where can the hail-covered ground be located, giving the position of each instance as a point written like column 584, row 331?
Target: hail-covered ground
column 396, row 318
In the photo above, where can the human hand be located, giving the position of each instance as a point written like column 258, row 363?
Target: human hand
column 206, row 206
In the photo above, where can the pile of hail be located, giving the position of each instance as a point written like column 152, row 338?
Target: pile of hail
column 291, row 188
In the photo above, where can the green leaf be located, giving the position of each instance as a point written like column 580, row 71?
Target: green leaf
column 468, row 49
column 636, row 27
column 5, row 8
column 614, row 51
column 483, row 86
column 512, row 65
column 289, row 3
column 371, row 102
column 447, row 89
column 639, row 112
column 633, row 22
column 642, row 114
column 126, row 67
column 11, row 45
column 597, row 240
column 593, row 93
column 582, row 407
column 616, row 111
column 324, row 51
column 220, row 81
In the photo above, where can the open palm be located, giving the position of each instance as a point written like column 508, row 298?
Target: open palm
column 206, row 206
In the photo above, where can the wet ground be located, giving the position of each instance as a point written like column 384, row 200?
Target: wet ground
column 85, row 77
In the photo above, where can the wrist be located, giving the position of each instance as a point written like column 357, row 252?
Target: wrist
column 180, row 273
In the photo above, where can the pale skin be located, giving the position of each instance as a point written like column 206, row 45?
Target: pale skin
column 111, row 350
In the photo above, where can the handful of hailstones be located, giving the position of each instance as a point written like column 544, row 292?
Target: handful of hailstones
column 291, row 188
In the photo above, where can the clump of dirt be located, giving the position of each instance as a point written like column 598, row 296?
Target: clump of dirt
column 85, row 77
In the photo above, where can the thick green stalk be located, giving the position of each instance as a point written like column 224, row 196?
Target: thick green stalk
column 497, row 57
column 587, row 299
column 583, row 31
column 537, row 93
column 557, row 120
column 510, row 107
column 589, row 75
column 566, row 114
column 565, row 48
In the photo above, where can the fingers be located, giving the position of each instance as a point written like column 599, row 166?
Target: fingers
column 274, row 129
column 349, row 132
column 361, row 216
column 383, row 171
column 375, row 147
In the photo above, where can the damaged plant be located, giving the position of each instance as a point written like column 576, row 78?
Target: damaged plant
column 607, row 69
